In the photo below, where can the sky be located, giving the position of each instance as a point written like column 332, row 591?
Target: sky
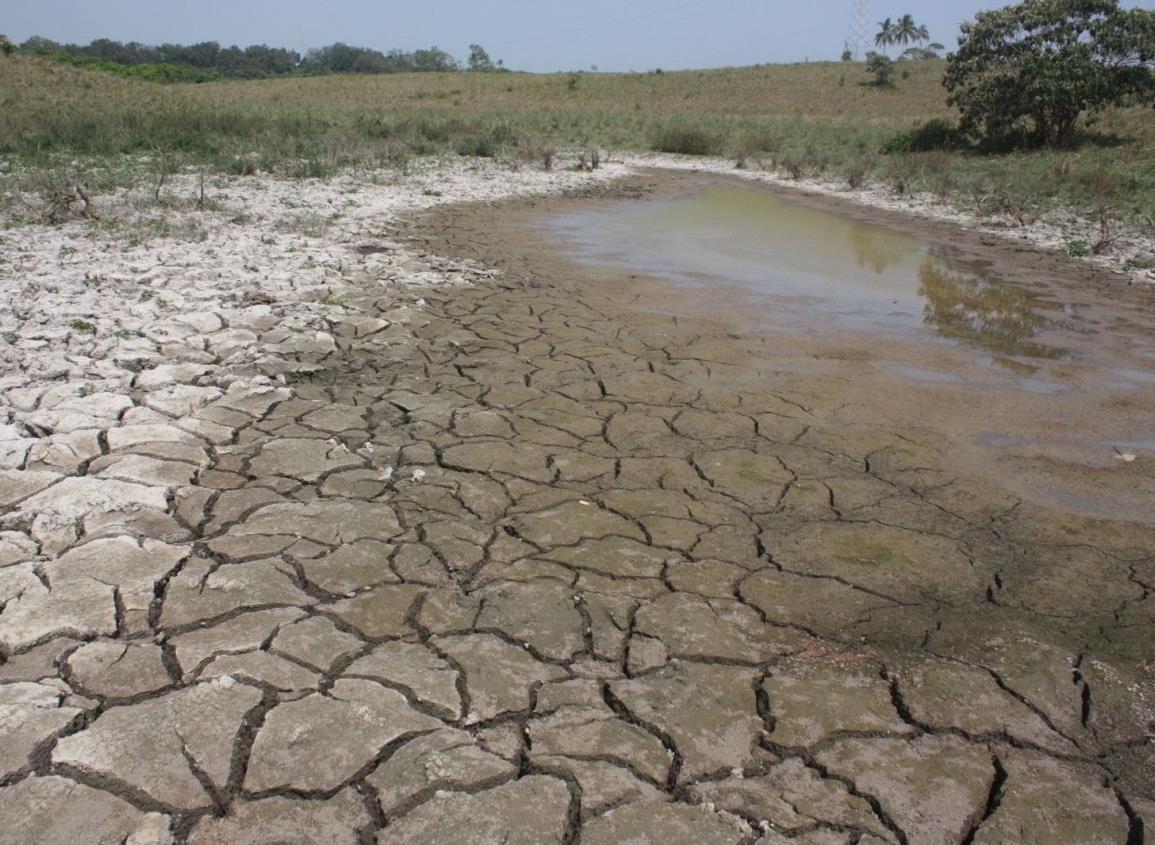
column 540, row 36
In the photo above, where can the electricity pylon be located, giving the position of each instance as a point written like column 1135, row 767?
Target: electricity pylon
column 858, row 35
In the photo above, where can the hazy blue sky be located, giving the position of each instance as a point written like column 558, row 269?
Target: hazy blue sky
column 540, row 36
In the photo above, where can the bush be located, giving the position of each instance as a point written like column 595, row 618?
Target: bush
column 881, row 68
column 857, row 172
column 687, row 140
column 480, row 146
column 934, row 135
column 488, row 144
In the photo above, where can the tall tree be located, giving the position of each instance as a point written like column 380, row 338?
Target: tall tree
column 885, row 36
column 906, row 31
column 479, row 59
column 1028, row 72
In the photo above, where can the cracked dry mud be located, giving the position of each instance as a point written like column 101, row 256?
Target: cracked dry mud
column 536, row 565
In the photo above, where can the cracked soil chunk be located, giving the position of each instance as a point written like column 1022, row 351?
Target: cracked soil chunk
column 351, row 567
column 901, row 564
column 315, row 641
column 279, row 821
column 78, row 608
column 950, row 695
column 133, row 567
column 810, row 701
column 709, row 711
column 822, row 605
column 572, row 522
column 603, row 785
column 118, row 670
column 29, row 715
column 303, row 459
column 694, row 627
column 792, row 798
column 204, row 590
column 498, row 675
column 247, row 632
column 153, row 746
column 430, row 679
column 541, row 614
column 651, row 823
column 448, row 759
column 318, row 743
column 331, row 522
column 588, row 733
column 58, row 810
column 381, row 612
column 933, row 787
column 756, row 479
column 530, row 811
column 1046, row 800
column 618, row 557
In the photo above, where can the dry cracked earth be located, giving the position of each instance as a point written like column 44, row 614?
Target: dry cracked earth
column 533, row 567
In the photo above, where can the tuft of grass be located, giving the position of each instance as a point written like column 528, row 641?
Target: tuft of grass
column 307, row 223
column 857, row 173
column 688, row 140
column 82, row 327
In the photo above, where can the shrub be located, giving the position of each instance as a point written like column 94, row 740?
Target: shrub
column 794, row 167
column 900, row 174
column 487, row 144
column 935, row 134
column 881, row 68
column 857, row 172
column 687, row 140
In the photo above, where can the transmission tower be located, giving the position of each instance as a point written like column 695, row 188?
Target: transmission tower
column 858, row 36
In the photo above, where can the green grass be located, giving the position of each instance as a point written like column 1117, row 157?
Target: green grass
column 813, row 119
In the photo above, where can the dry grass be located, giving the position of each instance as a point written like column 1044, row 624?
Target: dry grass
column 809, row 118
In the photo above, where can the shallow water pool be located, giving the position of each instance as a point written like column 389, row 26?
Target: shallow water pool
column 813, row 266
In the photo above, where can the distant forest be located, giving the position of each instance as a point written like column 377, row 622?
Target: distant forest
column 209, row 60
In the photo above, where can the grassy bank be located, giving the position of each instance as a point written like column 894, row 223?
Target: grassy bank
column 812, row 120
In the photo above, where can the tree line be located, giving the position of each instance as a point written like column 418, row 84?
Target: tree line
column 209, row 60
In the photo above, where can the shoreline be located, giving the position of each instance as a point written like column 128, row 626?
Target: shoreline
column 1048, row 235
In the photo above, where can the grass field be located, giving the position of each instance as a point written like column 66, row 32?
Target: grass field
column 806, row 120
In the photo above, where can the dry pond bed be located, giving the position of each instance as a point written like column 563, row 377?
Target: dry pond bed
column 572, row 553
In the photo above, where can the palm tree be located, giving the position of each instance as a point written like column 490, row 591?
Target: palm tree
column 885, row 35
column 906, row 31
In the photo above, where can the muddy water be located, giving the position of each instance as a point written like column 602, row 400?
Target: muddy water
column 823, row 274
column 817, row 270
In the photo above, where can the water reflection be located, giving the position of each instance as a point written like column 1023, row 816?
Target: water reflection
column 818, row 270
column 878, row 249
column 967, row 305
